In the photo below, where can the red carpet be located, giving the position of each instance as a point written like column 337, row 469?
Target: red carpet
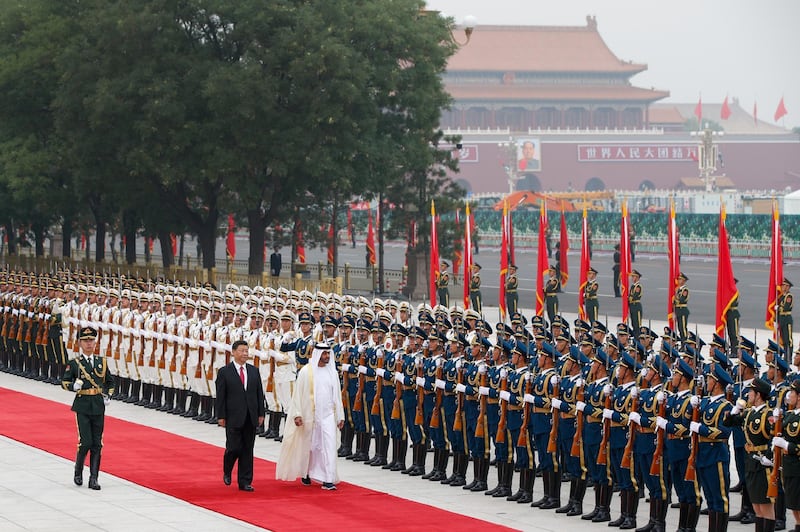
column 192, row 471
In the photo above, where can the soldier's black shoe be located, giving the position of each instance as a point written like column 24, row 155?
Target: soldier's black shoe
column 748, row 519
column 93, row 485
column 736, row 489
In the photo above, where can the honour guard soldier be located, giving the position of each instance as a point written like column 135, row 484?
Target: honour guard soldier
column 376, row 360
column 413, row 414
column 433, row 384
column 732, row 315
column 479, row 447
column 755, row 416
column 551, row 289
column 746, row 372
column 302, row 346
column 543, row 388
column 785, row 320
column 452, row 375
column 789, row 443
column 443, row 285
column 515, row 402
column 511, row 285
column 496, row 377
column 392, row 363
column 635, row 301
column 680, row 304
column 475, row 289
column 88, row 376
column 590, row 303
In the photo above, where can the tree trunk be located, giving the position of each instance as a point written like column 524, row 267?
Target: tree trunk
column 12, row 239
column 66, row 238
column 258, row 232
column 38, row 235
column 167, row 257
column 207, row 237
column 100, row 240
column 381, row 273
column 147, row 242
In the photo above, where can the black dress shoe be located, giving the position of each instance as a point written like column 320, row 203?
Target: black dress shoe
column 247, row 487
column 306, row 481
column 226, row 479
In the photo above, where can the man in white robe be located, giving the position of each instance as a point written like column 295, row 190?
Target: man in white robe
column 309, row 448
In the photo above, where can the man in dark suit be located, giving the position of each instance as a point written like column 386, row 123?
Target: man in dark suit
column 240, row 409
column 275, row 263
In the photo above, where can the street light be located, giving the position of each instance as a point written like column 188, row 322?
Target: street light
column 707, row 155
column 468, row 24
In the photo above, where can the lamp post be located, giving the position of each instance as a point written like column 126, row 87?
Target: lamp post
column 707, row 156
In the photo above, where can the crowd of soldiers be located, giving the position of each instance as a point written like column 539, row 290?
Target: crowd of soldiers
column 547, row 399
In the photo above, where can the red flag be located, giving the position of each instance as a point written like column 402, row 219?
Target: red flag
column 563, row 248
column 584, row 268
column 434, row 265
column 173, row 240
column 503, row 261
column 725, row 112
column 149, row 242
column 775, row 270
column 755, row 113
column 301, row 248
column 625, row 260
column 698, row 110
column 467, row 254
column 541, row 263
column 331, row 244
column 457, row 253
column 83, row 240
column 726, row 285
column 230, row 245
column 781, row 111
column 673, row 252
column 371, row 241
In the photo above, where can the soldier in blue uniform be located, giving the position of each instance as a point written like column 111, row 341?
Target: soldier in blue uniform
column 432, row 369
column 564, row 406
column 713, row 455
column 474, row 372
column 656, row 373
column 393, row 360
column 375, row 360
column 496, row 374
column 302, row 347
column 777, row 371
column 746, row 371
column 411, row 369
column 592, row 409
column 621, row 404
column 352, row 368
column 452, row 374
column 342, row 356
column 541, row 420
column 678, row 444
column 515, row 399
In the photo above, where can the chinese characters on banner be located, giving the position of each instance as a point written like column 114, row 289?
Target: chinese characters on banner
column 637, row 152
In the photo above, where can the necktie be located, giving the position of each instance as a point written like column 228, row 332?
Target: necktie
column 241, row 374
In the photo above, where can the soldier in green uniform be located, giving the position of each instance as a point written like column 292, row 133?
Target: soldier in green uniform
column 590, row 303
column 789, row 443
column 785, row 320
column 443, row 285
column 512, row 299
column 680, row 304
column 475, row 289
column 88, row 376
column 635, row 301
column 551, row 289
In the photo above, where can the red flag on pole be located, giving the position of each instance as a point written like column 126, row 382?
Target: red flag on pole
column 371, row 241
column 541, row 263
column 301, row 248
column 563, row 248
column 584, row 267
column 467, row 254
column 781, row 111
column 331, row 244
column 149, row 244
column 230, row 243
column 725, row 112
column 503, row 261
column 434, row 265
column 775, row 270
column 698, row 110
column 726, row 284
column 673, row 252
column 625, row 260
column 457, row 253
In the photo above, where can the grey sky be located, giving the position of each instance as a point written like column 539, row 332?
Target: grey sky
column 743, row 48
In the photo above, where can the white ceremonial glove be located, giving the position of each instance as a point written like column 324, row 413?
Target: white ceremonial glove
column 694, row 426
column 482, row 369
column 483, row 390
column 580, row 406
column 738, row 407
column 399, row 377
column 461, row 388
column 425, row 344
column 503, row 373
column 763, row 460
column 579, row 382
column 380, row 372
column 607, row 413
column 528, row 398
column 555, row 404
column 439, row 383
column 634, row 392
column 777, row 441
column 694, row 401
column 362, row 370
column 406, row 343
column 420, row 381
column 776, row 413
column 660, row 397
column 607, row 389
column 643, row 371
column 77, row 385
column 106, row 400
column 362, row 349
column 554, row 380
column 505, row 396
column 634, row 417
column 661, row 423
column 458, row 364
